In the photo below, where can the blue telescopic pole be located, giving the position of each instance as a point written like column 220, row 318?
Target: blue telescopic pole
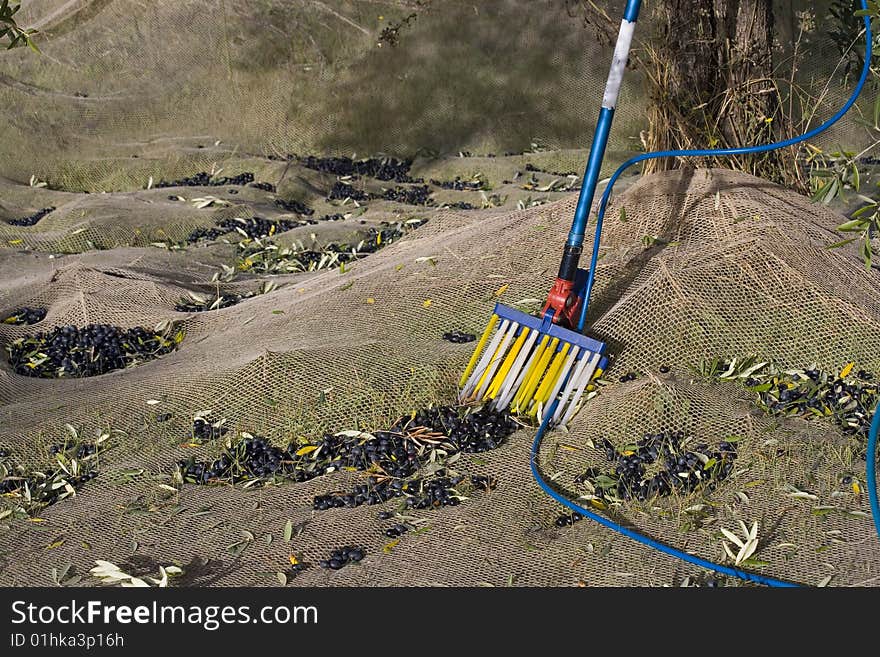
column 600, row 139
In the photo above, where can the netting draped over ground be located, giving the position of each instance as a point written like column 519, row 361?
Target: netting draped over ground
column 316, row 354
column 707, row 263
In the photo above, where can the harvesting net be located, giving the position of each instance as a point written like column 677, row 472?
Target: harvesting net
column 707, row 264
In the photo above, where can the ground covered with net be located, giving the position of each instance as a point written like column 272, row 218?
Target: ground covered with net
column 190, row 424
column 231, row 342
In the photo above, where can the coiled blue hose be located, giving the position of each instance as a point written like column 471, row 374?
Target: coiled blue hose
column 871, row 481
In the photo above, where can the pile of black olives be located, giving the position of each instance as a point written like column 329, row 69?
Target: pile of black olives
column 682, row 469
column 87, row 351
column 205, row 179
column 252, row 227
column 414, row 195
column 459, row 185
column 341, row 191
column 26, row 316
column 31, row 219
column 393, row 452
column 381, row 169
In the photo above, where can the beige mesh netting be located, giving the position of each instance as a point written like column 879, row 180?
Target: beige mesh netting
column 129, row 92
column 315, row 354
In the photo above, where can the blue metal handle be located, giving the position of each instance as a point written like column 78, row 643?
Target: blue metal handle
column 603, row 127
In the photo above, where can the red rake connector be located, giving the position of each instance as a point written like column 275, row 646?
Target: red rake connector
column 564, row 303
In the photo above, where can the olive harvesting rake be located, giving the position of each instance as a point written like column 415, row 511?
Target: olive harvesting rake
column 531, row 361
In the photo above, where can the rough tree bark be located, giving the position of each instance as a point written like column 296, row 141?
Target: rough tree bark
column 710, row 79
column 683, row 76
column 709, row 73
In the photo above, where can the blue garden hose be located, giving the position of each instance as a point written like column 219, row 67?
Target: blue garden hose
column 871, row 480
column 871, row 468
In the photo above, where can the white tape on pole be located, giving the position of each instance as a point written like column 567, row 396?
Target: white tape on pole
column 618, row 64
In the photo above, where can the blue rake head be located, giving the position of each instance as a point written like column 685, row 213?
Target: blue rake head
column 528, row 362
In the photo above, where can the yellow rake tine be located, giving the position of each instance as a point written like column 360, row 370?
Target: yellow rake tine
column 547, row 384
column 592, row 386
column 533, row 365
column 524, row 396
column 480, row 345
column 495, row 386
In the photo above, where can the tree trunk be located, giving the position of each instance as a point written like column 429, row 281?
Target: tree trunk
column 752, row 101
column 711, row 82
column 684, row 77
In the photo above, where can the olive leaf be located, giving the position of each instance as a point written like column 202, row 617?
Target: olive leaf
column 747, row 544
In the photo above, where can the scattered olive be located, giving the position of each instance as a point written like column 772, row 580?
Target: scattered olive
column 46, row 486
column 459, row 337
column 189, row 304
column 664, row 369
column 459, row 205
column 340, row 557
column 294, row 206
column 484, row 482
column 205, row 431
column 568, row 519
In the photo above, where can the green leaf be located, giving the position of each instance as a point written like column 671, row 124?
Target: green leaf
column 288, row 531
column 832, row 192
column 864, row 210
column 853, row 224
column 841, row 243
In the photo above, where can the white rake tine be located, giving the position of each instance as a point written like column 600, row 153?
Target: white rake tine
column 515, row 370
column 556, row 386
column 493, row 365
column 573, row 381
column 586, row 377
column 484, row 360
